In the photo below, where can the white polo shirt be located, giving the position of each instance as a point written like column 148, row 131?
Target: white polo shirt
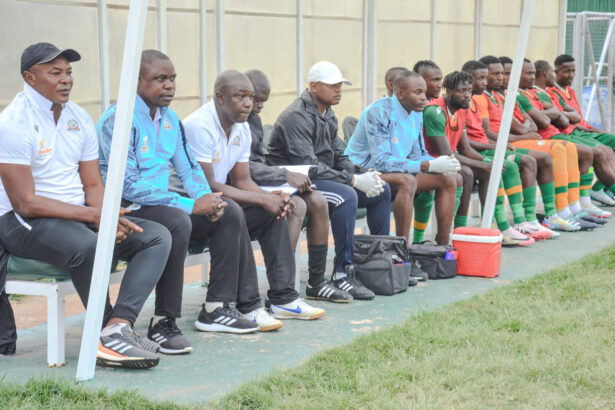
column 29, row 136
column 209, row 143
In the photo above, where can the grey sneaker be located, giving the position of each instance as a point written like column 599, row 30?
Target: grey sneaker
column 122, row 350
column 168, row 336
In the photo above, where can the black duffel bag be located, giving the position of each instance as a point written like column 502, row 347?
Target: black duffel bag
column 381, row 263
column 433, row 260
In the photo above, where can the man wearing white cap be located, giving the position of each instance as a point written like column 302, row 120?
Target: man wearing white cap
column 306, row 134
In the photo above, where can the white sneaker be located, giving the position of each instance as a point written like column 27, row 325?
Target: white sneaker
column 602, row 197
column 593, row 210
column 263, row 319
column 536, row 224
column 297, row 309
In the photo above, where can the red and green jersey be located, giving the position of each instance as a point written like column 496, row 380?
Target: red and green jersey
column 526, row 101
column 439, row 122
column 475, row 114
column 495, row 106
column 544, row 96
column 566, row 96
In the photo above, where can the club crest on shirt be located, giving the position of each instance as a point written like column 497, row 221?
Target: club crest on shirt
column 237, row 141
column 42, row 150
column 217, row 157
column 72, row 125
column 395, row 140
column 438, row 110
column 144, row 147
column 167, row 125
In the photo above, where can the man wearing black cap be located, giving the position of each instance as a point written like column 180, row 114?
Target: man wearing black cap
column 51, row 198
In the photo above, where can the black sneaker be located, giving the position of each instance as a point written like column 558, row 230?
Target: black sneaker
column 417, row 273
column 168, row 336
column 122, row 350
column 352, row 285
column 412, row 281
column 224, row 319
column 326, row 291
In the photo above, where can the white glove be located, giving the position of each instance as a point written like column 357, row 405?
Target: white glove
column 368, row 183
column 444, row 164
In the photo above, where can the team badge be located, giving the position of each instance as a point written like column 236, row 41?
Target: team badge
column 217, row 157
column 144, row 147
column 42, row 150
column 237, row 141
column 394, row 139
column 73, row 125
column 167, row 125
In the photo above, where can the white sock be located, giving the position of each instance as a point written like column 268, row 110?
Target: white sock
column 586, row 201
column 574, row 208
column 158, row 318
column 116, row 328
column 211, row 306
column 564, row 213
column 339, row 275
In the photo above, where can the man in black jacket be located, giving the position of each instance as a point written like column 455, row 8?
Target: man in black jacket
column 306, row 134
column 306, row 201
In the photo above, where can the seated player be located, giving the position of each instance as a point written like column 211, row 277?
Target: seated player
column 519, row 176
column 507, row 67
column 389, row 138
column 545, row 115
column 51, row 200
column 389, row 78
column 551, row 167
column 545, row 78
column 219, row 137
column 306, row 134
column 305, row 200
column 158, row 141
column 445, row 130
column 562, row 93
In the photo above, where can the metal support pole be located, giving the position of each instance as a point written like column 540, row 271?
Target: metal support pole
column 203, row 51
column 594, row 72
column 103, row 53
column 432, row 30
column 561, row 27
column 370, row 67
column 299, row 61
column 478, row 28
column 578, row 39
column 162, row 26
column 605, row 47
column 609, row 85
column 133, row 46
column 509, row 105
column 220, row 36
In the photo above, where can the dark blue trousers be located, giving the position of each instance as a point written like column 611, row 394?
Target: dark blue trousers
column 343, row 203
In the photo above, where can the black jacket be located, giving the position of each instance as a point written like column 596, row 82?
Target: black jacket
column 262, row 173
column 303, row 136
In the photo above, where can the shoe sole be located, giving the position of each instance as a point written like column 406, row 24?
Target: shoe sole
column 313, row 317
column 175, row 351
column 270, row 327
column 105, row 360
column 214, row 327
column 603, row 203
column 329, row 300
column 364, row 298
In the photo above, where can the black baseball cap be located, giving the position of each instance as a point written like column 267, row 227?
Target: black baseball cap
column 41, row 53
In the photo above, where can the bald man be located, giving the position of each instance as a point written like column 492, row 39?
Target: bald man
column 220, row 139
column 157, row 142
column 306, row 200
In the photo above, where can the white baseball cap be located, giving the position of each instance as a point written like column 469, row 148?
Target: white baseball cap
column 326, row 72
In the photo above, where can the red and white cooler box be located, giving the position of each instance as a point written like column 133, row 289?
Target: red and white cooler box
column 479, row 251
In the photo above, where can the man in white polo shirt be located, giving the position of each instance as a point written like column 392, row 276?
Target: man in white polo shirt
column 220, row 141
column 51, row 198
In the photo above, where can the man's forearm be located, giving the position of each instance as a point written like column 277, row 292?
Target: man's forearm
column 42, row 207
column 472, row 163
column 239, row 195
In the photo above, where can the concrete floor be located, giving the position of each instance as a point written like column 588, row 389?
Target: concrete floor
column 221, row 362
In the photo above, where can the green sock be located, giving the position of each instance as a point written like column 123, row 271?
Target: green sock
column 461, row 220
column 422, row 210
column 500, row 213
column 612, row 188
column 529, row 203
column 598, row 186
column 586, row 183
column 458, row 194
column 512, row 184
column 548, row 197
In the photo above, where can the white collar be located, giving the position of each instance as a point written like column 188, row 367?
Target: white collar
column 36, row 98
column 219, row 124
